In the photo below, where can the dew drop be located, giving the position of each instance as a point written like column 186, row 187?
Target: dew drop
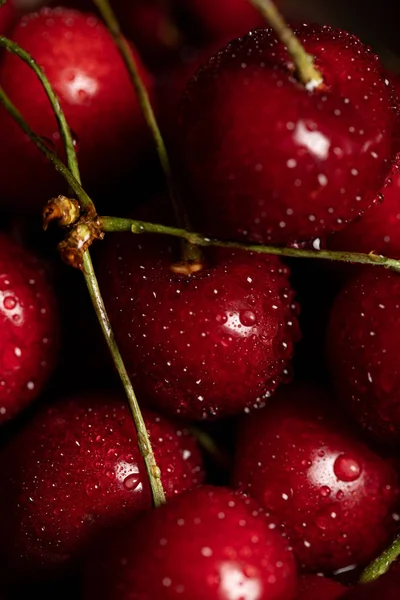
column 347, row 468
column 325, row 491
column 131, row 482
column 247, row 318
column 9, row 302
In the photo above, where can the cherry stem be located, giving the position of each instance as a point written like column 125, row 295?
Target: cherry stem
column 382, row 564
column 207, row 443
column 116, row 224
column 88, row 270
column 308, row 74
column 190, row 253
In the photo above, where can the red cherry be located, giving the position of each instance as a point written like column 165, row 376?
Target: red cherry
column 378, row 230
column 86, row 71
column 28, row 328
column 386, row 587
column 75, row 471
column 219, row 19
column 8, row 16
column 363, row 343
column 209, row 543
column 313, row 587
column 202, row 346
column 317, row 479
column 261, row 153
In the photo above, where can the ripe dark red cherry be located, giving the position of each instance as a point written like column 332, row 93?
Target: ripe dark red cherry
column 208, row 345
column 209, row 543
column 313, row 587
column 386, row 587
column 74, row 472
column 86, row 71
column 317, row 480
column 266, row 160
column 28, row 328
column 363, row 344
column 378, row 229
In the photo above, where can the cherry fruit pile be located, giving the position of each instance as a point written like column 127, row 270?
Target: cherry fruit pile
column 281, row 482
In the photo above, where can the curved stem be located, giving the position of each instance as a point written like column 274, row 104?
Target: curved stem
column 58, row 112
column 58, row 164
column 306, row 70
column 382, row 564
column 89, row 274
column 115, row 224
column 143, row 438
column 190, row 253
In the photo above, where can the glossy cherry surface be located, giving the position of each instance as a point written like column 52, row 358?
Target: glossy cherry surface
column 333, row 496
column 209, row 543
column 264, row 159
column 86, row 71
column 8, row 16
column 28, row 328
column 314, row 587
column 363, row 342
column 75, row 471
column 208, row 345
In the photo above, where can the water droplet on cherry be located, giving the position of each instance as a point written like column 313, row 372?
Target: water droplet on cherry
column 347, row 468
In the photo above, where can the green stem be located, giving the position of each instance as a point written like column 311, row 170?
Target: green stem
column 114, row 224
column 207, row 443
column 304, row 63
column 190, row 253
column 73, row 177
column 143, row 437
column 58, row 112
column 382, row 564
column 58, row 164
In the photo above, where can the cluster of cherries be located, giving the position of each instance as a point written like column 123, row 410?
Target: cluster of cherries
column 311, row 493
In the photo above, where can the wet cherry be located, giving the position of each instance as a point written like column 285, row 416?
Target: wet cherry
column 317, row 479
column 209, row 543
column 208, row 345
column 266, row 160
column 75, row 471
column 28, row 328
column 87, row 73
column 314, row 587
column 8, row 16
column 363, row 343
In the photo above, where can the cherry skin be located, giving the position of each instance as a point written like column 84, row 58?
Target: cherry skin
column 378, row 229
column 208, row 543
column 317, row 480
column 86, row 71
column 218, row 20
column 363, row 346
column 268, row 161
column 387, row 587
column 8, row 16
column 74, row 472
column 202, row 346
column 29, row 328
column 313, row 587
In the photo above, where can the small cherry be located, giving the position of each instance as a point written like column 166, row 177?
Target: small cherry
column 334, row 498
column 363, row 345
column 386, row 587
column 314, row 587
column 28, row 328
column 265, row 159
column 208, row 543
column 86, row 71
column 74, row 472
column 211, row 344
